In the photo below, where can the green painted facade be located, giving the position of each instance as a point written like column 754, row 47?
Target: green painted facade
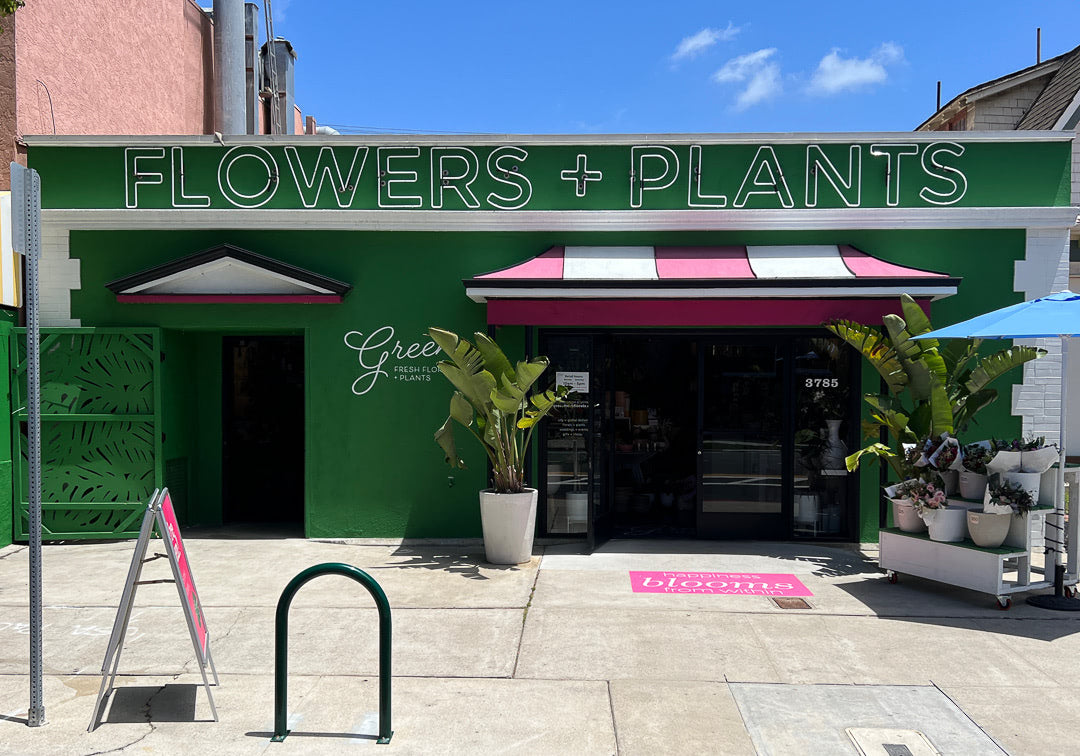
column 370, row 466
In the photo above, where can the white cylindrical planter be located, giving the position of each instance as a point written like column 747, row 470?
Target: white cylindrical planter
column 509, row 521
column 806, row 508
column 988, row 529
column 948, row 525
column 906, row 517
column 1028, row 481
column 577, row 507
column 972, row 485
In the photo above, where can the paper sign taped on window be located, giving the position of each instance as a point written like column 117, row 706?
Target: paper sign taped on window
column 575, row 381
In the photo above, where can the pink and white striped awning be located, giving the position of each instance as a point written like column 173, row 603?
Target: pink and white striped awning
column 751, row 285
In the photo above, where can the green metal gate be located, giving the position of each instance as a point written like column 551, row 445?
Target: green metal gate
column 100, row 430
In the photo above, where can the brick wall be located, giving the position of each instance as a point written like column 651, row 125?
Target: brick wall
column 1044, row 269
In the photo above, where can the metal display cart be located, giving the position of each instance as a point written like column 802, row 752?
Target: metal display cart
column 999, row 571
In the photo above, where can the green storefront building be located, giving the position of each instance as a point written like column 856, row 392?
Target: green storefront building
column 244, row 319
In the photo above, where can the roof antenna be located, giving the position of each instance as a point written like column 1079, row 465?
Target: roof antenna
column 938, row 96
column 1038, row 45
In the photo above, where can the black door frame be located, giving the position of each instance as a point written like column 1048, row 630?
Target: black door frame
column 601, row 412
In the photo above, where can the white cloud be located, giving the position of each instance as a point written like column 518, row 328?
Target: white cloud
column 759, row 75
column 694, row 45
column 835, row 74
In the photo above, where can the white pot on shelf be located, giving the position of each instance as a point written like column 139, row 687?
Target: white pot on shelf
column 972, row 485
column 509, row 521
column 988, row 529
column 906, row 517
column 1028, row 481
column 948, row 525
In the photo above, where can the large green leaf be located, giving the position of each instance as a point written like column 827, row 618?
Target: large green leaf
column 916, row 320
column 877, row 450
column 444, row 437
column 941, row 412
column 964, row 411
column 495, row 361
column 993, row 366
column 875, row 349
column 460, row 409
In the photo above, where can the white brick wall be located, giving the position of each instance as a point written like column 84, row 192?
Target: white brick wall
column 1044, row 269
column 58, row 276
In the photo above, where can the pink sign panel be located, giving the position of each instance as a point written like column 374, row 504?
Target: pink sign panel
column 191, row 596
column 719, row 583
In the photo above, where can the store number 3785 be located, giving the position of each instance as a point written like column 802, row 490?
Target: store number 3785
column 822, row 383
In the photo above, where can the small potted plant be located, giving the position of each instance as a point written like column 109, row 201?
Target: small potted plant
column 492, row 402
column 1023, row 461
column 973, row 470
column 945, row 523
column 1008, row 500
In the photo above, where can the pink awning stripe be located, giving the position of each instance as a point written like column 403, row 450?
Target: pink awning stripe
column 866, row 266
column 694, row 312
column 702, row 262
column 548, row 265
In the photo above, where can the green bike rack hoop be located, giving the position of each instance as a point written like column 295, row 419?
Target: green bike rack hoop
column 281, row 640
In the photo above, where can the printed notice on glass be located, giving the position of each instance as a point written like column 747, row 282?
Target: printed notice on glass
column 575, row 381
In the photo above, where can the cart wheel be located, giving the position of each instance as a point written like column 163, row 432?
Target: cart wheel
column 1004, row 603
column 1070, row 591
column 892, row 577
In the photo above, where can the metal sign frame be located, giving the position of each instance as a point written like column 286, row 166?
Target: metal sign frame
column 109, row 666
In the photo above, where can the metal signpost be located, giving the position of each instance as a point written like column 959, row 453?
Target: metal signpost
column 26, row 239
column 159, row 512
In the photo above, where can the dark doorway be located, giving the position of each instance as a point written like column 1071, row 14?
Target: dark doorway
column 263, row 430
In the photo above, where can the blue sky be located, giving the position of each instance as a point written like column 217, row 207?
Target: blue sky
column 651, row 67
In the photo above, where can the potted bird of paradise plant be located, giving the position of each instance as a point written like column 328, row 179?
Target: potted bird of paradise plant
column 492, row 401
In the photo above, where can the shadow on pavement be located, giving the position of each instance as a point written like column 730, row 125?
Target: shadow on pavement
column 138, row 704
column 466, row 564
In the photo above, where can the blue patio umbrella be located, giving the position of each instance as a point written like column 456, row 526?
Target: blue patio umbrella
column 1053, row 316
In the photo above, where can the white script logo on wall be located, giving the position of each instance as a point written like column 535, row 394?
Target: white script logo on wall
column 382, row 356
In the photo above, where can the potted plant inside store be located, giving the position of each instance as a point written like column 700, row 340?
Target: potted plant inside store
column 492, row 401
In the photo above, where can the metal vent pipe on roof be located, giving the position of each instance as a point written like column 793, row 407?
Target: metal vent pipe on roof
column 229, row 74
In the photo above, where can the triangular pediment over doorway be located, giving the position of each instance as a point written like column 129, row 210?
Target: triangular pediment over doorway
column 228, row 274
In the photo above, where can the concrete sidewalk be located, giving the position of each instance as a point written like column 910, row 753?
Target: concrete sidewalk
column 557, row 656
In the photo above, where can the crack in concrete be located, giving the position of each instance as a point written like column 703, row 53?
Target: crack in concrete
column 149, row 722
column 524, row 617
column 15, row 551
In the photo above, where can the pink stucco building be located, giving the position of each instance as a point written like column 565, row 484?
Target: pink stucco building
column 99, row 67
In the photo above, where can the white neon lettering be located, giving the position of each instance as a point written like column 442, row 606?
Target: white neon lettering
column 818, row 163
column 442, row 179
column 135, row 174
column 503, row 165
column 387, row 196
column 695, row 198
column 251, row 154
column 180, row 198
column 774, row 184
column 893, row 154
column 936, row 169
column 643, row 182
column 326, row 169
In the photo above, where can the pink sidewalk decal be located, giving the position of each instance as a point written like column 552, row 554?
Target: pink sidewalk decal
column 718, row 583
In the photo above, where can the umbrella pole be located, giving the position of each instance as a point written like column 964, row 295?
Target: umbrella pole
column 1058, row 600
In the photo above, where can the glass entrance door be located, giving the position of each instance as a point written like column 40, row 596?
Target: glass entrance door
column 741, row 451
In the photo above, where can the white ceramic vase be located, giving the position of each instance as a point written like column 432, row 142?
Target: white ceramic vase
column 509, row 521
column 906, row 517
column 832, row 457
column 988, row 529
column 948, row 525
column 972, row 485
